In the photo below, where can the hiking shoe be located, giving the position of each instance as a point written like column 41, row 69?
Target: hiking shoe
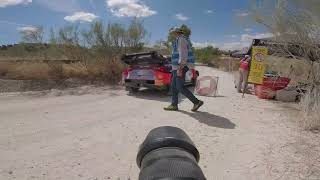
column 197, row 106
column 171, row 108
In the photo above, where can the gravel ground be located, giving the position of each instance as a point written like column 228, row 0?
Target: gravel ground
column 93, row 133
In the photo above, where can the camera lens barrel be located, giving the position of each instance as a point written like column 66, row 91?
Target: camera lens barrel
column 168, row 154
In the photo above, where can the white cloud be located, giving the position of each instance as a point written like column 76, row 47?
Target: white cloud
column 129, row 8
column 249, row 38
column 81, row 17
column 5, row 3
column 244, row 42
column 203, row 44
column 27, row 29
column 232, row 46
column 209, row 11
column 232, row 36
column 248, row 30
column 182, row 17
column 243, row 14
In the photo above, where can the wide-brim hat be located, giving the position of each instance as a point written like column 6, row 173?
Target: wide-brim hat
column 176, row 30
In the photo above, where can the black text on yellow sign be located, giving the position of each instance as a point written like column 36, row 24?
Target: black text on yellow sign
column 258, row 65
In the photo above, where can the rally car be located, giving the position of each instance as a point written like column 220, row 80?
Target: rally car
column 151, row 70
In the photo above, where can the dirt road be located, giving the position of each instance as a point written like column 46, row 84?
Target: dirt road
column 93, row 134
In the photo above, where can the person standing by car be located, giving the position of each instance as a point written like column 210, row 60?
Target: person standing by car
column 243, row 74
column 182, row 59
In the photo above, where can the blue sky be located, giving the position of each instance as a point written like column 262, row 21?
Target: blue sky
column 221, row 23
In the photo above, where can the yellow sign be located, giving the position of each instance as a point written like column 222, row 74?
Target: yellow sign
column 258, row 65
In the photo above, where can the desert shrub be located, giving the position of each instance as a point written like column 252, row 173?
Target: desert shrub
column 296, row 70
column 225, row 63
column 295, row 26
column 37, row 71
column 310, row 102
column 5, row 68
column 207, row 55
column 75, row 70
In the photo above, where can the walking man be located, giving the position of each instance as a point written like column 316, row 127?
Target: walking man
column 182, row 59
column 243, row 74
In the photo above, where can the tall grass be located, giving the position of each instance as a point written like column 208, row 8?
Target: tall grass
column 296, row 70
column 310, row 102
column 104, row 70
column 35, row 71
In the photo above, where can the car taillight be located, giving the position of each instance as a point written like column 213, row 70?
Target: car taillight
column 194, row 74
column 161, row 69
column 159, row 76
column 161, row 72
column 125, row 73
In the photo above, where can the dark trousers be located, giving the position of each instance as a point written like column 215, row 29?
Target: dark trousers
column 177, row 86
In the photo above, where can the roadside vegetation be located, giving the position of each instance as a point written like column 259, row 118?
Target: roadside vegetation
column 295, row 24
column 71, row 52
column 214, row 57
column 92, row 54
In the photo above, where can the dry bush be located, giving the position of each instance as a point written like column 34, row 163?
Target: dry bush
column 114, row 73
column 310, row 102
column 105, row 69
column 56, row 70
column 224, row 63
column 295, row 27
column 296, row 70
column 5, row 67
column 311, row 115
column 75, row 70
column 28, row 71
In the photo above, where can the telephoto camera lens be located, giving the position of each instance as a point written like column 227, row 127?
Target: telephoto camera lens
column 168, row 153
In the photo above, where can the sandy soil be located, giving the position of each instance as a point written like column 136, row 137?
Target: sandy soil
column 93, row 133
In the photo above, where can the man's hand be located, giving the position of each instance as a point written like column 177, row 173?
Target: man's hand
column 180, row 70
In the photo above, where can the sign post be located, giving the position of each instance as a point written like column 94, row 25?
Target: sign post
column 258, row 65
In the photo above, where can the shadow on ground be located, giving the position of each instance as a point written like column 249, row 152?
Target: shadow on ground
column 211, row 119
column 154, row 95
column 150, row 94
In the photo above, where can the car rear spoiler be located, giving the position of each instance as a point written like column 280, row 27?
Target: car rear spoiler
column 146, row 58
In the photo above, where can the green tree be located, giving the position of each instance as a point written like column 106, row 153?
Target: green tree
column 136, row 34
column 33, row 41
column 32, row 35
column 53, row 38
column 116, row 35
column 207, row 55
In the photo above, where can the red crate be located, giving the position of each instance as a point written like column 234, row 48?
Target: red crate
column 264, row 92
column 270, row 86
column 276, row 83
